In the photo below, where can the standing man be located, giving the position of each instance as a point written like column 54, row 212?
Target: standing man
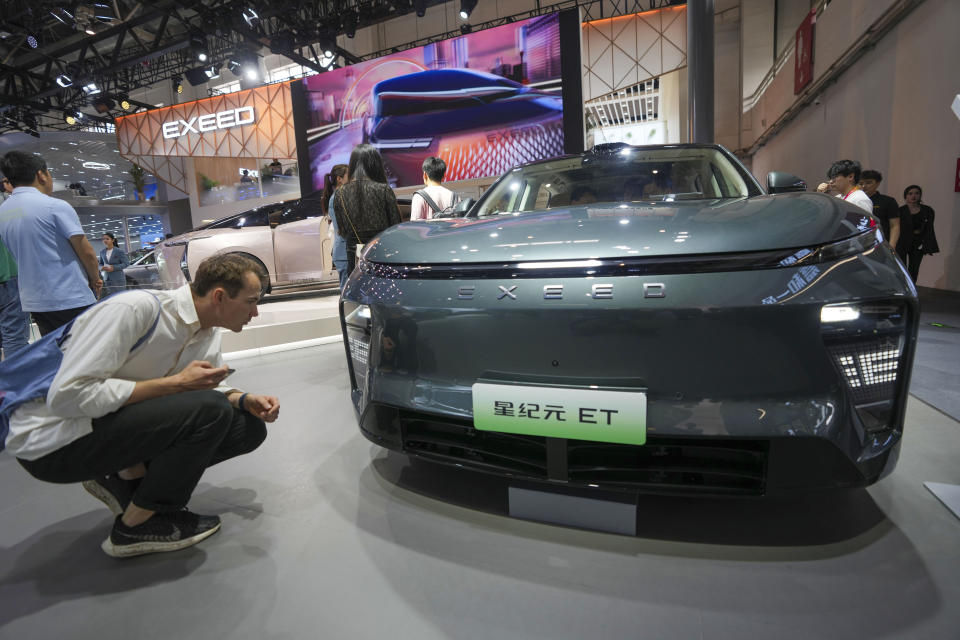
column 14, row 322
column 59, row 275
column 885, row 208
column 138, row 409
column 434, row 198
column 844, row 176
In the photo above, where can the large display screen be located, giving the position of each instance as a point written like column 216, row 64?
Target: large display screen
column 484, row 102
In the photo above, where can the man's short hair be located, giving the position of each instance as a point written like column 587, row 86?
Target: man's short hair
column 21, row 168
column 435, row 168
column 226, row 270
column 844, row 168
column 870, row 174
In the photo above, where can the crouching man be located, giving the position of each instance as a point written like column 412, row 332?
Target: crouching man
column 139, row 409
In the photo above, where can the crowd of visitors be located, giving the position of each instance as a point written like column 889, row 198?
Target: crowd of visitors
column 908, row 229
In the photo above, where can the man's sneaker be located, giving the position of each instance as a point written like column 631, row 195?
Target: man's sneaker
column 162, row 532
column 112, row 491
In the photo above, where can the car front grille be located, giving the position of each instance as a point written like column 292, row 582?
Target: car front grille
column 693, row 465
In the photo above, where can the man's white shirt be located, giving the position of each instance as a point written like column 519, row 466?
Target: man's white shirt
column 99, row 371
column 859, row 198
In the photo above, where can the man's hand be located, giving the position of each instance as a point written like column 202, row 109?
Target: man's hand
column 96, row 286
column 267, row 408
column 199, row 375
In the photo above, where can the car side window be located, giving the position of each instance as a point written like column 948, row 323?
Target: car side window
column 258, row 218
column 150, row 258
column 294, row 213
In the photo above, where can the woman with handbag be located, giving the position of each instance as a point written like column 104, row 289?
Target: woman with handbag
column 917, row 236
column 365, row 205
column 113, row 261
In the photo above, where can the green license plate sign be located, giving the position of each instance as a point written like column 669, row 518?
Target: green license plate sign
column 558, row 412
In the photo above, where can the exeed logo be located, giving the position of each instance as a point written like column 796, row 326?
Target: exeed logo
column 209, row 122
column 555, row 291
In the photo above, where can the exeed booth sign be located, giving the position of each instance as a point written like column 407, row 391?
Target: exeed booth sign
column 209, row 122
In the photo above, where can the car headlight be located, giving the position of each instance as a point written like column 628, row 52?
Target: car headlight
column 866, row 342
column 357, row 322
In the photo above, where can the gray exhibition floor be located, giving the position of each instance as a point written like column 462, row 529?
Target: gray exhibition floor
column 325, row 536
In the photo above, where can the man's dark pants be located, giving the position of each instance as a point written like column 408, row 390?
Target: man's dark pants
column 177, row 436
column 47, row 321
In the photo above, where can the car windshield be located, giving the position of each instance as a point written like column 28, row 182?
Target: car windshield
column 627, row 174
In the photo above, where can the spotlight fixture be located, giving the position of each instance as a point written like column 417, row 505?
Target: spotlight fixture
column 72, row 117
column 421, row 7
column 251, row 18
column 32, row 41
column 465, row 29
column 328, row 45
column 64, row 80
column 466, row 8
column 125, row 104
column 103, row 105
column 199, row 45
column 250, row 72
column 91, row 89
column 177, row 84
column 235, row 66
column 213, row 71
column 89, row 31
column 349, row 23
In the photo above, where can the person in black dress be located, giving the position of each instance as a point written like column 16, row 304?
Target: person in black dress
column 366, row 205
column 917, row 237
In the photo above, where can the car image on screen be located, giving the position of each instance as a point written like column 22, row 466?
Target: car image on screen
column 638, row 319
column 450, row 112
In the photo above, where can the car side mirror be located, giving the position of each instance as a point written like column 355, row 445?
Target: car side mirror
column 458, row 210
column 782, row 182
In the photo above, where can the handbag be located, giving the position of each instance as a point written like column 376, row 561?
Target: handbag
column 343, row 204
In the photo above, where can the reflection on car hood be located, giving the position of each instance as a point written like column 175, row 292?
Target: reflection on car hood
column 618, row 231
column 197, row 234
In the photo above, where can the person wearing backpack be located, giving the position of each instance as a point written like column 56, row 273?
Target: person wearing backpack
column 129, row 399
column 434, row 198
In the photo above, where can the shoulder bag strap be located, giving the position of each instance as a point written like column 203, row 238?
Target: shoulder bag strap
column 347, row 214
column 426, row 198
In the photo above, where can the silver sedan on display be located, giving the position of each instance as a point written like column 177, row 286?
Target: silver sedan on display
column 638, row 318
column 292, row 240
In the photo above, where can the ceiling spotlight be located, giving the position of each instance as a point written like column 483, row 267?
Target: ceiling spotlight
column 72, row 117
column 199, row 44
column 213, row 71
column 250, row 72
column 32, row 41
column 103, row 105
column 251, row 18
column 177, row 84
column 328, row 43
column 89, row 31
column 91, row 89
column 64, row 80
column 421, row 7
column 465, row 29
column 349, row 23
column 466, row 8
column 234, row 66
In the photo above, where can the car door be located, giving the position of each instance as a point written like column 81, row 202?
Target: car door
column 302, row 243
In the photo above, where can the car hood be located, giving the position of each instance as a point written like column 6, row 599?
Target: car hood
column 619, row 231
column 197, row 234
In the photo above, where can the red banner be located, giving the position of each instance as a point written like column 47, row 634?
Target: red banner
column 803, row 53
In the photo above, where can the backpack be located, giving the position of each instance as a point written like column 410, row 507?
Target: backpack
column 433, row 205
column 28, row 373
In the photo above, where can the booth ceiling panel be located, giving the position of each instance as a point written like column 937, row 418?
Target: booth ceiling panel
column 619, row 52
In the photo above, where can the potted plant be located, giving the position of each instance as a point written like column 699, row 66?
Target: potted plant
column 207, row 183
column 139, row 181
